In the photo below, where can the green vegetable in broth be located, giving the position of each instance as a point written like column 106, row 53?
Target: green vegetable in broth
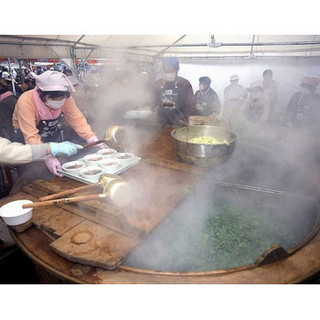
column 225, row 237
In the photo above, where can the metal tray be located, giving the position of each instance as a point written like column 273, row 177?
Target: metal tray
column 122, row 168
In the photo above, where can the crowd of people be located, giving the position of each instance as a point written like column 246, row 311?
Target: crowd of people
column 43, row 106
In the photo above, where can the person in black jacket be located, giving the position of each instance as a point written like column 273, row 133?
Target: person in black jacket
column 207, row 100
column 304, row 107
column 174, row 95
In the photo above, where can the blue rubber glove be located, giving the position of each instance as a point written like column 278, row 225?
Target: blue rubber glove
column 65, row 148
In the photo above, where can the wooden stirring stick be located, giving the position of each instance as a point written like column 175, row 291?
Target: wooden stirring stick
column 64, row 200
column 71, row 191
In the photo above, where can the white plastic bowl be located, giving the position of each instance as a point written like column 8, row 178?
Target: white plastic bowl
column 84, row 172
column 124, row 158
column 107, row 153
column 93, row 159
column 13, row 214
column 109, row 164
column 69, row 167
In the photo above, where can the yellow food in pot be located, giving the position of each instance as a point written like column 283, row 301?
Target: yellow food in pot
column 206, row 140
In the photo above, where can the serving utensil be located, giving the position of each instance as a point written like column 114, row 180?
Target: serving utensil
column 115, row 189
column 103, row 181
column 116, row 137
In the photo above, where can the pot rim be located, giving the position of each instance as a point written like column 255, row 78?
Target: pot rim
column 173, row 132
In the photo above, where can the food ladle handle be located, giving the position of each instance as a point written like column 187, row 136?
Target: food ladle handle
column 70, row 191
column 64, row 200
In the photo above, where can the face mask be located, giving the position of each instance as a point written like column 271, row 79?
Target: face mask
column 53, row 104
column 169, row 76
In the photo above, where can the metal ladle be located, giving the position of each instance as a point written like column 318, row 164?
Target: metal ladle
column 116, row 137
column 115, row 189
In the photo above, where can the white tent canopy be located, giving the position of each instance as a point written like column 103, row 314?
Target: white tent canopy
column 150, row 47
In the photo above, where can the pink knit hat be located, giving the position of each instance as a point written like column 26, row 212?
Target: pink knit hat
column 53, row 81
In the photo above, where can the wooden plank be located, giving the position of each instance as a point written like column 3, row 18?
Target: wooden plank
column 157, row 190
column 94, row 245
column 56, row 220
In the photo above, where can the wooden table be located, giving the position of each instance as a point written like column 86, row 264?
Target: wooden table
column 159, row 167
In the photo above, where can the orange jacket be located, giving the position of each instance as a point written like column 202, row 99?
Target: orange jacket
column 26, row 118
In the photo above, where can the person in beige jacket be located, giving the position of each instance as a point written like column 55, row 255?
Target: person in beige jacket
column 18, row 153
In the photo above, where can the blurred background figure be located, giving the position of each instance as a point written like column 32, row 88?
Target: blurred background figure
column 271, row 88
column 174, row 95
column 7, row 104
column 207, row 101
column 304, row 107
column 234, row 94
column 68, row 72
column 38, row 70
column 26, row 85
column 256, row 107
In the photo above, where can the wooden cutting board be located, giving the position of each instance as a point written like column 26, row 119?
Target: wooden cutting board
column 94, row 245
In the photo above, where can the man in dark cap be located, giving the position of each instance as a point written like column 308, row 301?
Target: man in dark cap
column 207, row 100
column 174, row 95
column 304, row 106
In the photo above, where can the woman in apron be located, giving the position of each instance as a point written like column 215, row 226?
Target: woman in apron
column 38, row 113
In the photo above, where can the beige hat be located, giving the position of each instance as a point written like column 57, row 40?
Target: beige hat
column 53, row 81
column 234, row 77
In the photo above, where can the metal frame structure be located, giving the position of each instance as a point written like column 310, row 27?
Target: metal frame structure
column 152, row 47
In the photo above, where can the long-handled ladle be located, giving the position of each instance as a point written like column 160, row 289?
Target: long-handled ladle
column 103, row 181
column 117, row 191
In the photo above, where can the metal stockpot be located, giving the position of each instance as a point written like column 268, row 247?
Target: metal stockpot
column 203, row 154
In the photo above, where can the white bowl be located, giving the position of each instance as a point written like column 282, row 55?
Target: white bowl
column 95, row 170
column 109, row 164
column 73, row 167
column 107, row 153
column 124, row 158
column 93, row 159
column 13, row 214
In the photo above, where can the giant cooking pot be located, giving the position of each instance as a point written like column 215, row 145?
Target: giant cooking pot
column 203, row 154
